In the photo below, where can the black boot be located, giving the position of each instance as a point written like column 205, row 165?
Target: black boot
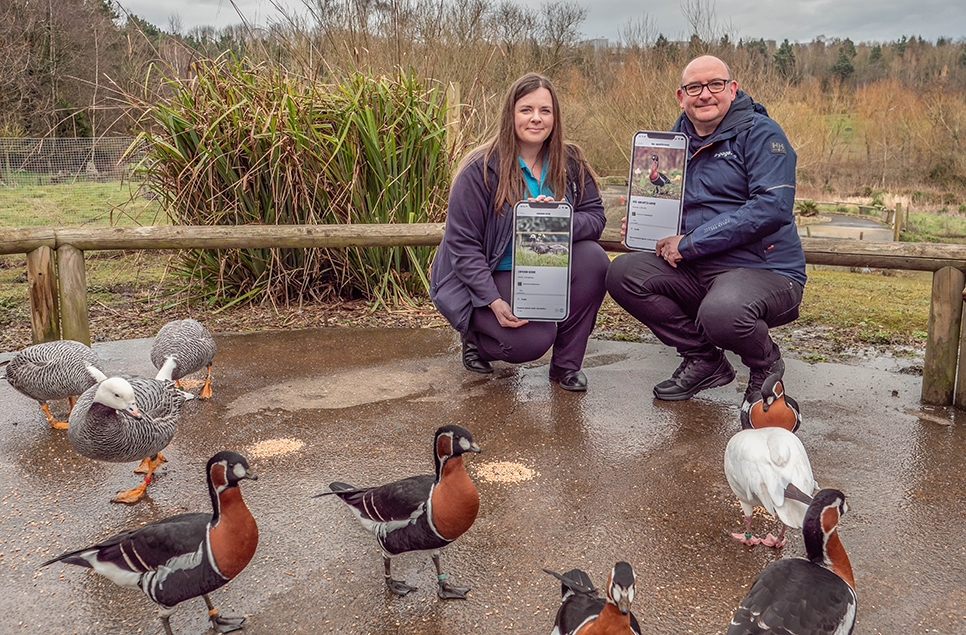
column 472, row 360
column 694, row 375
column 572, row 380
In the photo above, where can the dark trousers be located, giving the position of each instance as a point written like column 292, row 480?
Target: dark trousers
column 698, row 309
column 588, row 268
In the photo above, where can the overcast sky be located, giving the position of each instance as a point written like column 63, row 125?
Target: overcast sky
column 797, row 20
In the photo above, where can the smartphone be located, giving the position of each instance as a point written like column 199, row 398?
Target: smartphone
column 542, row 242
column 655, row 188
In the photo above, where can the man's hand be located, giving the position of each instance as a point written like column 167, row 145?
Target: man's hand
column 504, row 316
column 667, row 248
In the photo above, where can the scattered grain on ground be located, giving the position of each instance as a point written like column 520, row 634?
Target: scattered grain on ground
column 505, row 472
column 275, row 447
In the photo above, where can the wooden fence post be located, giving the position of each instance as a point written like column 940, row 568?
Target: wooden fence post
column 453, row 108
column 73, row 294
column 42, row 288
column 942, row 346
column 960, row 397
column 897, row 222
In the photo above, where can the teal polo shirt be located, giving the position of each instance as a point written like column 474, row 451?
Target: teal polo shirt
column 535, row 188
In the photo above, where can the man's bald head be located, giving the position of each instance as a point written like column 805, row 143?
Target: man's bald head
column 706, row 61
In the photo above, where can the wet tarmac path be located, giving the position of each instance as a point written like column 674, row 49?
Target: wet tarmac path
column 849, row 226
column 566, row 480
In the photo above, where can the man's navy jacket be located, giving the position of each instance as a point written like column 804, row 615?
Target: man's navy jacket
column 740, row 193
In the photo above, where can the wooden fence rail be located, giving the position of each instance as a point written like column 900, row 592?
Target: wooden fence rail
column 59, row 302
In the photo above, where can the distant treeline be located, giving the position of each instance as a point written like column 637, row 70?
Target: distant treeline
column 862, row 116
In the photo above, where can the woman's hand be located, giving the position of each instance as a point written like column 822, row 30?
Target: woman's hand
column 504, row 316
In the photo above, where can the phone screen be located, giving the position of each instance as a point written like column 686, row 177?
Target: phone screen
column 542, row 241
column 655, row 188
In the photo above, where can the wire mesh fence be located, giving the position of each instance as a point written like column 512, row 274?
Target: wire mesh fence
column 27, row 162
column 74, row 181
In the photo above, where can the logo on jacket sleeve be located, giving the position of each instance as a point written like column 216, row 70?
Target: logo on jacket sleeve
column 777, row 147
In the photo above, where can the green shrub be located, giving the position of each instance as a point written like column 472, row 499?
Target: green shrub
column 241, row 144
column 807, row 207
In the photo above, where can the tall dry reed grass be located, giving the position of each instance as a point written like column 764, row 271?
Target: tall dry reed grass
column 242, row 144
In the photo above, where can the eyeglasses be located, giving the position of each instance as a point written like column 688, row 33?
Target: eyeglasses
column 714, row 86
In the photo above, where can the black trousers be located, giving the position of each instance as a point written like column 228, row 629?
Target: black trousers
column 568, row 338
column 699, row 308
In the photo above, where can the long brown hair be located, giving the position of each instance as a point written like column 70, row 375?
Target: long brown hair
column 504, row 144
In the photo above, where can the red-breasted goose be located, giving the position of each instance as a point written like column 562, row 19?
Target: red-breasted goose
column 583, row 612
column 184, row 556
column 420, row 513
column 814, row 595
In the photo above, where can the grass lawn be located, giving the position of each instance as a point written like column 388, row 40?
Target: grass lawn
column 81, row 203
column 943, row 227
column 115, row 281
column 872, row 307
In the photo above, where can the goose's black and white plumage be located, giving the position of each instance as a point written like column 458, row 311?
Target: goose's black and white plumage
column 814, row 595
column 760, row 464
column 191, row 346
column 123, row 419
column 420, row 513
column 184, row 556
column 583, row 612
column 62, row 369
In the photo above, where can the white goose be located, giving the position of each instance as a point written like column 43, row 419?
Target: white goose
column 124, row 419
column 191, row 346
column 760, row 464
column 61, row 369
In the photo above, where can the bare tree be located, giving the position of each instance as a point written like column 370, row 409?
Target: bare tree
column 17, row 24
column 638, row 33
column 515, row 30
column 175, row 25
column 560, row 26
column 706, row 30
